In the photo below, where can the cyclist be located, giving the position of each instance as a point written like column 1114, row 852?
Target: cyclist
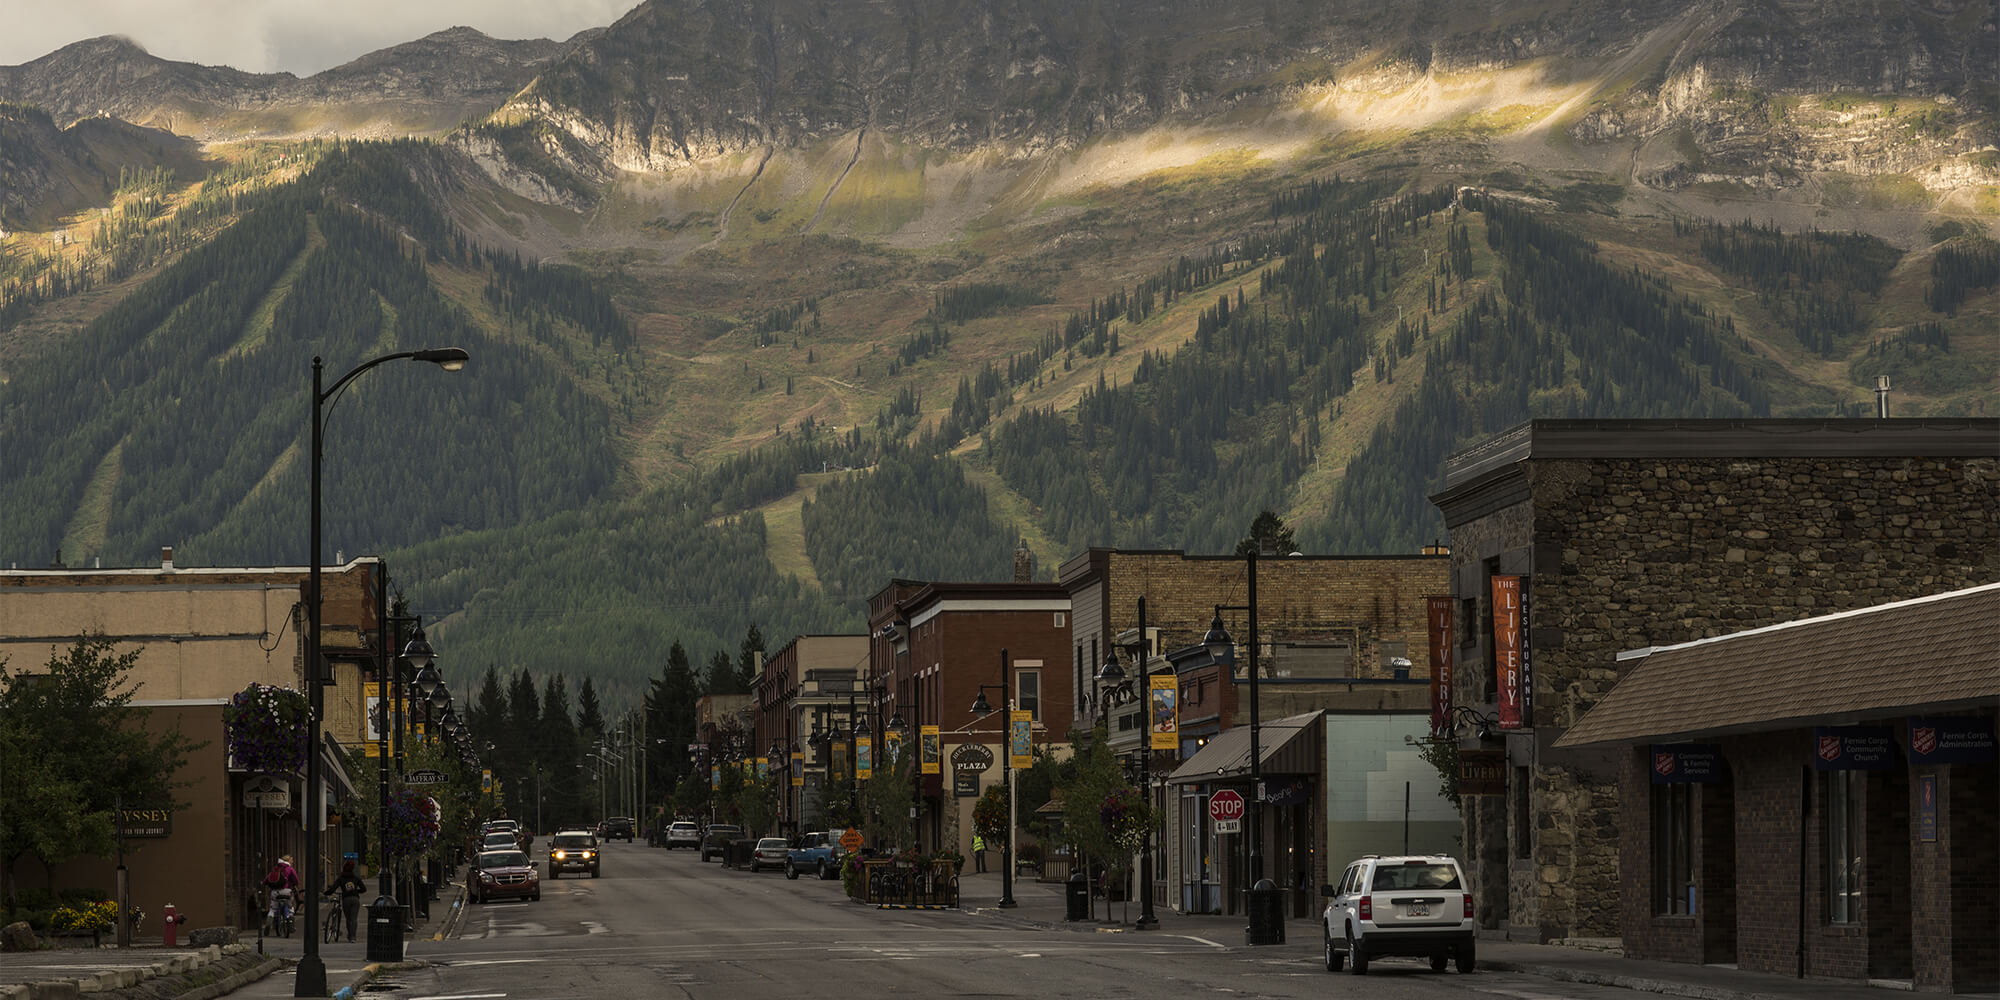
column 283, row 881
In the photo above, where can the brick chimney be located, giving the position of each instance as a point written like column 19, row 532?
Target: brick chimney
column 1024, row 563
column 167, row 558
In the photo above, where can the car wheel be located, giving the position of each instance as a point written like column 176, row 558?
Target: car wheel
column 791, row 871
column 823, row 873
column 1357, row 956
column 1439, row 961
column 1334, row 956
column 1467, row 961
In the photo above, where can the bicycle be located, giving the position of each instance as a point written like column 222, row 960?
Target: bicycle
column 278, row 916
column 330, row 919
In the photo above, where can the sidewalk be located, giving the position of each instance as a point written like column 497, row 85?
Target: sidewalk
column 1041, row 904
column 64, row 973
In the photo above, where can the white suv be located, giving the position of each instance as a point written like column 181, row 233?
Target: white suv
column 683, row 835
column 1405, row 905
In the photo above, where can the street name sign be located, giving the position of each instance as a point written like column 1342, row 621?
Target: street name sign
column 426, row 776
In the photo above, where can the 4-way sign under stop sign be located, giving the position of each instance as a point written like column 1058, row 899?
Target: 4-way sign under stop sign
column 1226, row 809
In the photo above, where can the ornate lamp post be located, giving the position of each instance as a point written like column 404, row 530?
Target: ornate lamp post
column 311, row 979
column 980, row 706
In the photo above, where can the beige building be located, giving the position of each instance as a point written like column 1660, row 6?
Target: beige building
column 202, row 635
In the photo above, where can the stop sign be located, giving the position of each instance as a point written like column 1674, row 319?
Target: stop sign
column 1225, row 805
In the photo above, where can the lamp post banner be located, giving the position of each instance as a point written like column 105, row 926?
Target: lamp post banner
column 1164, row 696
column 1509, row 663
column 1019, row 725
column 864, row 757
column 1438, row 612
column 932, row 759
column 798, row 769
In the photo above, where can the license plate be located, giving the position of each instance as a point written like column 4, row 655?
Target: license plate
column 1419, row 909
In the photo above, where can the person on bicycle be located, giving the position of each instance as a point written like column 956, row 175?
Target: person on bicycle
column 350, row 887
column 283, row 881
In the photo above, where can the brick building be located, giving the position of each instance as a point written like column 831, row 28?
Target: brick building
column 1817, row 798
column 1632, row 533
column 808, row 688
column 202, row 635
column 1334, row 634
column 932, row 647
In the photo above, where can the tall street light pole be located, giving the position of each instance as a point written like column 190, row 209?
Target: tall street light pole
column 981, row 707
column 311, row 977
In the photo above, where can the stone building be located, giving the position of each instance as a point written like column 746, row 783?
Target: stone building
column 1632, row 533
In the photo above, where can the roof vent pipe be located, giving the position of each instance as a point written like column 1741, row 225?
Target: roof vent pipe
column 1882, row 397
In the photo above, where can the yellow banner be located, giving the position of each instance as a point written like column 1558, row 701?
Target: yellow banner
column 714, row 780
column 864, row 757
column 1163, row 709
column 763, row 767
column 798, row 769
column 486, row 779
column 932, row 760
column 1020, row 724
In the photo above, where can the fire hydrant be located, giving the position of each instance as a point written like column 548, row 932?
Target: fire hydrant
column 171, row 923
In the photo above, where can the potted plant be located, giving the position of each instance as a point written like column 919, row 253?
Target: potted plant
column 264, row 729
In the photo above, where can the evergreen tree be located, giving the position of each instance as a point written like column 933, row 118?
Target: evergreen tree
column 747, row 659
column 589, row 716
column 1269, row 536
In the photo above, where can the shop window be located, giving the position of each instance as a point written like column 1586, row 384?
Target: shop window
column 1843, row 846
column 1028, row 693
column 1673, row 848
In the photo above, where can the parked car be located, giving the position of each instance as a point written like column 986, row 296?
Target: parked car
column 817, row 852
column 718, row 837
column 619, row 828
column 573, row 850
column 683, row 834
column 504, row 875
column 770, row 852
column 500, row 840
column 1400, row 905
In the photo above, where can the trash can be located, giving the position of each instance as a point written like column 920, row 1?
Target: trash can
column 1076, row 897
column 385, row 930
column 1267, row 914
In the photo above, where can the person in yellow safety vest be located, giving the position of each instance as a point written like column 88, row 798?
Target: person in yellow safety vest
column 978, row 854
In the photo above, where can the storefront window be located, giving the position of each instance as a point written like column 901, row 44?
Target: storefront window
column 1673, row 848
column 1843, row 846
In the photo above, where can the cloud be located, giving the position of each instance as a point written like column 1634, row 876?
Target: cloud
column 301, row 36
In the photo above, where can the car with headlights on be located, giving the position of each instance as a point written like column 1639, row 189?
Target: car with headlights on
column 504, row 875
column 1407, row 905
column 573, row 850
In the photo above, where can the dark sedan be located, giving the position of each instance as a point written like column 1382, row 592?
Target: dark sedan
column 505, row 875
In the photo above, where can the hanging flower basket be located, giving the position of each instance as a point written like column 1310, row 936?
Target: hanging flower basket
column 412, row 824
column 265, row 729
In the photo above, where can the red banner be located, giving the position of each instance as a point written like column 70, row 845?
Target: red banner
column 1507, row 646
column 1439, row 611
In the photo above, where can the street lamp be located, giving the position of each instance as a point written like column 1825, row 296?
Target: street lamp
column 418, row 652
column 311, row 977
column 1221, row 646
column 1143, row 689
column 980, row 706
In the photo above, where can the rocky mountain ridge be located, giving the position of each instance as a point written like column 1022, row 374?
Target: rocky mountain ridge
column 424, row 86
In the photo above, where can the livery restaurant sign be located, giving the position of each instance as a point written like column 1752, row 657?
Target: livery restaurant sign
column 1437, row 613
column 1686, row 764
column 1951, row 739
column 1854, row 748
column 1511, row 665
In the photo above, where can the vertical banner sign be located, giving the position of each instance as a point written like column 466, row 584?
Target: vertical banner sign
column 864, row 757
column 798, row 769
column 715, row 778
column 1019, row 722
column 486, row 781
column 1507, row 648
column 932, row 759
column 1438, row 612
column 892, row 747
column 1164, row 701
column 840, row 759
column 1527, row 652
column 763, row 768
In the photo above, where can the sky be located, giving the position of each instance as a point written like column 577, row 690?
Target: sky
column 301, row 36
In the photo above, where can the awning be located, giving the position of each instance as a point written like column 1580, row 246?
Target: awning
column 1285, row 746
column 1932, row 654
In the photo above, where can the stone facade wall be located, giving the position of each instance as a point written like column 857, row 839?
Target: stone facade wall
column 1629, row 553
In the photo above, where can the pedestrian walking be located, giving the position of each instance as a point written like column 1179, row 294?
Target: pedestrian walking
column 350, row 887
column 978, row 854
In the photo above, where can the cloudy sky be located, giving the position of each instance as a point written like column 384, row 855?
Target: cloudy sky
column 302, row 36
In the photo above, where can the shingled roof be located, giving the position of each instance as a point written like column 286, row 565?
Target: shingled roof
column 1931, row 654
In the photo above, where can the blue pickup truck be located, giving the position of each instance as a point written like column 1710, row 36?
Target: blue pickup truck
column 818, row 853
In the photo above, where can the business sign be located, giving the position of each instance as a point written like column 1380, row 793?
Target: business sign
column 146, row 822
column 1686, row 764
column 1482, row 772
column 265, row 792
column 1020, row 724
column 1510, row 652
column 1225, row 810
column 1854, row 748
column 864, row 757
column 1927, row 811
column 1438, row 614
column 1951, row 739
column 932, row 760
column 1164, row 710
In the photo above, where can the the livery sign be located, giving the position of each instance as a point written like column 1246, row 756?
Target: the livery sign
column 1438, row 612
column 1510, row 656
column 1951, row 739
column 1854, row 748
column 1686, row 763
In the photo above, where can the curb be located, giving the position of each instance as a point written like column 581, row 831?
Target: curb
column 1642, row 983
column 230, row 984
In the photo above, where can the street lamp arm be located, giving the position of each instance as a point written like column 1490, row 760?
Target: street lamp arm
column 451, row 359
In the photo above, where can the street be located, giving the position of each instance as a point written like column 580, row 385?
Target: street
column 664, row 924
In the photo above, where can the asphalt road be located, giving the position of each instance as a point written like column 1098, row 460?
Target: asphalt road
column 664, row 924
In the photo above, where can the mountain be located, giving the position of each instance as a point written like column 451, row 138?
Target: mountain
column 421, row 87
column 771, row 303
column 47, row 172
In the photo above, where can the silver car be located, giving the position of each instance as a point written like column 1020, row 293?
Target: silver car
column 1405, row 905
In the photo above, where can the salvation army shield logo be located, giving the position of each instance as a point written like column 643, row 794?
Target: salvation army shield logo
column 1663, row 763
column 1829, row 748
column 1924, row 740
